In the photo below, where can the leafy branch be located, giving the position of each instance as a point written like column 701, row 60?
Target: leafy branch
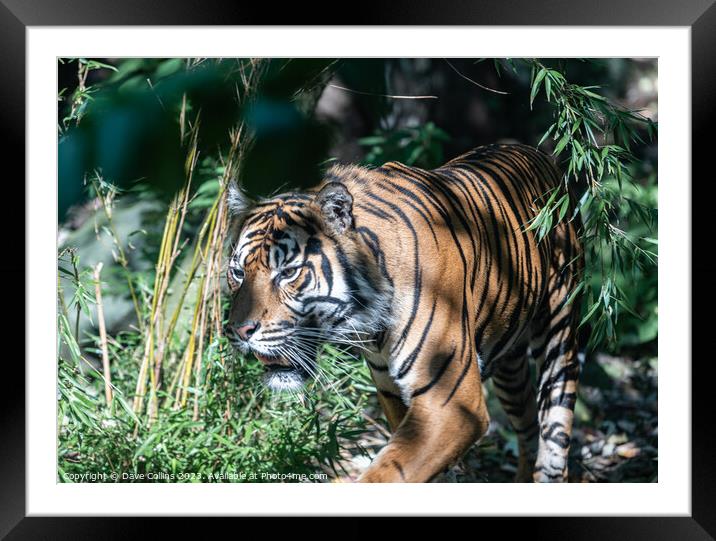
column 593, row 138
column 82, row 95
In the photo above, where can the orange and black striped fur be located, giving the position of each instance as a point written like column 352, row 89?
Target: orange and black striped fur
column 434, row 277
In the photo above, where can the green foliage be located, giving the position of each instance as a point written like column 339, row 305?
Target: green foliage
column 243, row 429
column 637, row 283
column 79, row 406
column 594, row 139
column 82, row 95
column 68, row 268
column 421, row 146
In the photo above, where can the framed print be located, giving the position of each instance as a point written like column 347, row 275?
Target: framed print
column 362, row 270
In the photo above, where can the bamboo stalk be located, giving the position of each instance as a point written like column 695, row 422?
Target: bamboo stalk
column 205, row 265
column 106, row 197
column 149, row 346
column 157, row 338
column 103, row 335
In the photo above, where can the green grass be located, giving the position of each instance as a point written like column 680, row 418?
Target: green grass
column 243, row 428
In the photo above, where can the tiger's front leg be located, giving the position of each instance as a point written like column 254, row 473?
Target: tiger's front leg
column 446, row 415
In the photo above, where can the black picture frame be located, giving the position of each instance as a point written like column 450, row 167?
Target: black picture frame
column 699, row 15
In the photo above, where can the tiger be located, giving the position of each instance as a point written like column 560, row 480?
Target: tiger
column 437, row 278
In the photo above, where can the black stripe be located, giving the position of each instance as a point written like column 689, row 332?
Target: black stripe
column 376, row 367
column 410, row 359
column 438, row 375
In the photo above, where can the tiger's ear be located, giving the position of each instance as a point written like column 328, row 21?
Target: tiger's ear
column 336, row 204
column 238, row 203
column 237, row 200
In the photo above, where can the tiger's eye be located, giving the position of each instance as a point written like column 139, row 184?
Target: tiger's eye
column 237, row 275
column 287, row 274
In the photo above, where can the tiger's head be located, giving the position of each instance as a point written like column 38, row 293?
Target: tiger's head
column 299, row 278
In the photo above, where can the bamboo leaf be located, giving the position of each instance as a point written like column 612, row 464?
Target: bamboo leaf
column 537, row 82
column 561, row 144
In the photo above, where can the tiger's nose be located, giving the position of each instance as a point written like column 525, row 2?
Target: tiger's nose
column 247, row 328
